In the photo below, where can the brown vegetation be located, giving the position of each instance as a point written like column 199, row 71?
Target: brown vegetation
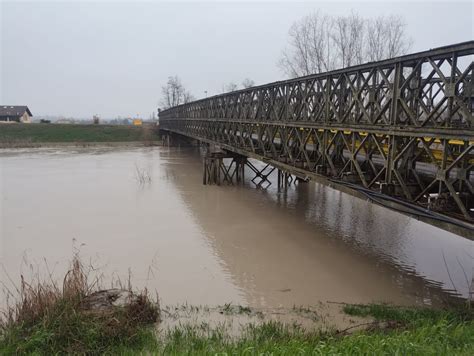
column 48, row 317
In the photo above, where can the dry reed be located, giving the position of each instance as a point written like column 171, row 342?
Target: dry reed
column 48, row 317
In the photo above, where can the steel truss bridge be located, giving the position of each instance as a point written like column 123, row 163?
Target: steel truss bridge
column 398, row 131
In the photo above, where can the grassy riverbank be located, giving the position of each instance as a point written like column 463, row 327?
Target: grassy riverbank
column 78, row 318
column 15, row 135
column 75, row 317
column 392, row 330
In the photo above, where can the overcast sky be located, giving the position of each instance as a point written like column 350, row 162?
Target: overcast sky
column 84, row 58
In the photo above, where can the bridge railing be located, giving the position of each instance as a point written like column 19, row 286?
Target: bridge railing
column 432, row 89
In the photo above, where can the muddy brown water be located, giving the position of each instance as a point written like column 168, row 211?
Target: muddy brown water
column 210, row 245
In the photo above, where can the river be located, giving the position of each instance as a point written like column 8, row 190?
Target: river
column 212, row 245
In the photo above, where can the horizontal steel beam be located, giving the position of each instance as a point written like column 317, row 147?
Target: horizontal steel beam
column 449, row 134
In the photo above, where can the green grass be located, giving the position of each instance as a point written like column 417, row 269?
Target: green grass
column 48, row 133
column 71, row 331
column 408, row 315
column 395, row 331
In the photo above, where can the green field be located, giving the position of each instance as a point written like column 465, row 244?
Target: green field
column 52, row 133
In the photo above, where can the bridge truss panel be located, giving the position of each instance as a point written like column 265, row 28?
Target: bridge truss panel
column 402, row 127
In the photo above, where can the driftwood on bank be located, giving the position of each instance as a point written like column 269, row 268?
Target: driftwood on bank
column 107, row 299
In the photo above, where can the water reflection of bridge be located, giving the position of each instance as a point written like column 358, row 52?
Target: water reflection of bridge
column 399, row 131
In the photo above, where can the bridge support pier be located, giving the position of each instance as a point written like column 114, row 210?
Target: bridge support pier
column 211, row 170
column 285, row 179
column 223, row 167
column 215, row 170
column 169, row 139
column 166, row 140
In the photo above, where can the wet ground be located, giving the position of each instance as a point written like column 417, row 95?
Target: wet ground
column 212, row 245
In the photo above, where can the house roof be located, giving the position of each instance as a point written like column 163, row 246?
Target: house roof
column 10, row 110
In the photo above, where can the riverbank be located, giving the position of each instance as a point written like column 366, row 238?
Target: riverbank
column 76, row 316
column 79, row 317
column 385, row 330
column 42, row 135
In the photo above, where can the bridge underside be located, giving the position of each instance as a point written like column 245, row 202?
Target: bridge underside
column 400, row 132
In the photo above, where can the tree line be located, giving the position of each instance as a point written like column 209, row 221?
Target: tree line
column 174, row 93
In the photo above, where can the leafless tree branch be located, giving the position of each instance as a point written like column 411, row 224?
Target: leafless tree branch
column 319, row 43
column 174, row 93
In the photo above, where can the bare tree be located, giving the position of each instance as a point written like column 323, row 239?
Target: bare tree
column 398, row 43
column 309, row 46
column 188, row 97
column 319, row 43
column 348, row 38
column 385, row 38
column 248, row 83
column 174, row 93
column 229, row 87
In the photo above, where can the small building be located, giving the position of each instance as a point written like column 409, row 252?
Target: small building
column 10, row 113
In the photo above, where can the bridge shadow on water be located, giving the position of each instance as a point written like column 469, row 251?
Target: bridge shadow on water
column 309, row 243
